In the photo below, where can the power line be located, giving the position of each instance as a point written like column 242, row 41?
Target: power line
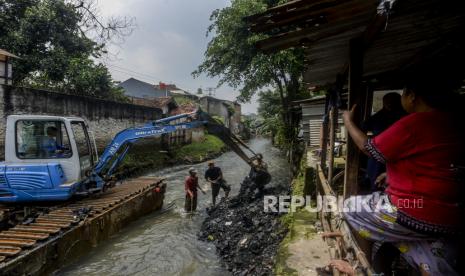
column 131, row 75
column 132, row 71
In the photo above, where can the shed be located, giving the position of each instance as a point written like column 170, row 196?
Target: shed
column 6, row 68
column 313, row 115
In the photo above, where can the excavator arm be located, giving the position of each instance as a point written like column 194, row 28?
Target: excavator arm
column 230, row 139
column 115, row 152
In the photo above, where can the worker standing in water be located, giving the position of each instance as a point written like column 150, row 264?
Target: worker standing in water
column 259, row 174
column 214, row 175
column 190, row 185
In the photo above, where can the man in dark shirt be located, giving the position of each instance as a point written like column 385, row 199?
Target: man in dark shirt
column 214, row 175
column 390, row 113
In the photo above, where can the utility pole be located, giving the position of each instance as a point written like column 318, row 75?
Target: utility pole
column 211, row 91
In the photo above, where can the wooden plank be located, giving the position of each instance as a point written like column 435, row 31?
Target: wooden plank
column 355, row 95
column 348, row 238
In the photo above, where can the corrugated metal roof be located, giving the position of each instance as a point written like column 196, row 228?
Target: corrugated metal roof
column 8, row 54
column 395, row 38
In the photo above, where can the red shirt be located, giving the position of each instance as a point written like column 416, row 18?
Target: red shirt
column 419, row 150
column 191, row 184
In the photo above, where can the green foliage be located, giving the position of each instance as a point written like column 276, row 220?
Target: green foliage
column 56, row 53
column 218, row 119
column 271, row 110
column 232, row 55
column 200, row 150
column 83, row 77
column 230, row 109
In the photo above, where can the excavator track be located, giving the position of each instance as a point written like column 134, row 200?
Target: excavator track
column 20, row 238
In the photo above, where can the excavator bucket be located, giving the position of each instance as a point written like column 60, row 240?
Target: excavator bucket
column 235, row 143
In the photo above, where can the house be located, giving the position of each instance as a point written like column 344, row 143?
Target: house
column 166, row 104
column 313, row 114
column 179, row 93
column 6, row 70
column 189, row 135
column 229, row 112
column 140, row 89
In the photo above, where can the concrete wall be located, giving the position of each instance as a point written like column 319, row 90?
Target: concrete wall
column 105, row 118
column 217, row 107
column 197, row 135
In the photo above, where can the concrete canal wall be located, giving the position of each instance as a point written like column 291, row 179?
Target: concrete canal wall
column 105, row 118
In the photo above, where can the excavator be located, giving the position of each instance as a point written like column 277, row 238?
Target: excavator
column 52, row 158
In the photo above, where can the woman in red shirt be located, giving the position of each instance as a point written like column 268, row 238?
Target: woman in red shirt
column 424, row 198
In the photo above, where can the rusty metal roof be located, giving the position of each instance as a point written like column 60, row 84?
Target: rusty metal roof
column 8, row 54
column 396, row 34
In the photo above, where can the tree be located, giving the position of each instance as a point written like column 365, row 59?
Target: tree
column 269, row 108
column 52, row 36
column 199, row 91
column 83, row 77
column 231, row 55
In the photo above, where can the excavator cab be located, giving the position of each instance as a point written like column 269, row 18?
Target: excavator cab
column 45, row 157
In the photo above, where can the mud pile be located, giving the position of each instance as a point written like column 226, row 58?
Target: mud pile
column 246, row 238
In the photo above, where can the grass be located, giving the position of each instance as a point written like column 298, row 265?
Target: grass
column 198, row 151
column 149, row 155
column 299, row 224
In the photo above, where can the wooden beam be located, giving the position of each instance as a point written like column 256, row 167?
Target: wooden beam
column 333, row 116
column 356, row 96
column 368, row 102
column 324, row 143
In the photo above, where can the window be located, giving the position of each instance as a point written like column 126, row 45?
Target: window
column 83, row 145
column 42, row 140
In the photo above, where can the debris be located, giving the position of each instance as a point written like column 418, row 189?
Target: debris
column 342, row 266
column 246, row 238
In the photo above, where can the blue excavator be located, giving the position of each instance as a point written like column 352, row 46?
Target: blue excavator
column 52, row 158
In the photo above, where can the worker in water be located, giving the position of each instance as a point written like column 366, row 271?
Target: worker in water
column 259, row 174
column 214, row 175
column 191, row 185
column 391, row 112
column 259, row 164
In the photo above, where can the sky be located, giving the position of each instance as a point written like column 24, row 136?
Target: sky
column 167, row 45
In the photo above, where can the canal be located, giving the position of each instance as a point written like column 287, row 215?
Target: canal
column 165, row 242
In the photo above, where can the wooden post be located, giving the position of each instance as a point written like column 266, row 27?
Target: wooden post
column 356, row 96
column 333, row 117
column 368, row 102
column 324, row 146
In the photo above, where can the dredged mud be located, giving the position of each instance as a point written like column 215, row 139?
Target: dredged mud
column 246, row 237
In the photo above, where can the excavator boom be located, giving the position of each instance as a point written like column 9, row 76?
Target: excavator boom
column 114, row 153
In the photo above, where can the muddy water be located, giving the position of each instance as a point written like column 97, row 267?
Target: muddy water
column 165, row 243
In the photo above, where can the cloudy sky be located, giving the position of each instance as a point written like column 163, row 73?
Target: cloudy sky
column 168, row 43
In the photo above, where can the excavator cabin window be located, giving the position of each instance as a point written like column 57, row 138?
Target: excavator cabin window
column 42, row 140
column 81, row 137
